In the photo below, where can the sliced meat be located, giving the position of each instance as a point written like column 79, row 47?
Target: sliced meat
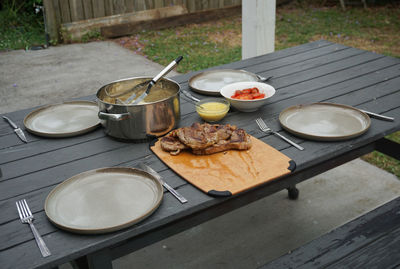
column 172, row 144
column 194, row 136
column 200, row 136
column 239, row 140
column 206, row 139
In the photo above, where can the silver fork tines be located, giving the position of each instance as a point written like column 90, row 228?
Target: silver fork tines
column 26, row 216
column 263, row 127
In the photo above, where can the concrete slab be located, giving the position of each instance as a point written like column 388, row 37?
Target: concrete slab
column 57, row 74
column 245, row 238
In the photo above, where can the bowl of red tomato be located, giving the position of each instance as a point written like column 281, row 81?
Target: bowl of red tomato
column 247, row 96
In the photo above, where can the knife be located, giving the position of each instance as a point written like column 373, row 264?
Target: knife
column 150, row 170
column 377, row 116
column 17, row 130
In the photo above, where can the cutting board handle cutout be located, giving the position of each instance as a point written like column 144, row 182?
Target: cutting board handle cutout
column 292, row 165
column 219, row 193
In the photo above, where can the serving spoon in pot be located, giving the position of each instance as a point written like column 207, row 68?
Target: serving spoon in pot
column 151, row 83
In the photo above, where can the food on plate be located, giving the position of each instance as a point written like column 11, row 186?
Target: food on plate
column 205, row 139
column 212, row 111
column 248, row 94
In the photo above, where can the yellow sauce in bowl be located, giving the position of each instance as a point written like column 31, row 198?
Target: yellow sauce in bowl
column 212, row 111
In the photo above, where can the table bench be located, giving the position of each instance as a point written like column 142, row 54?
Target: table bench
column 370, row 241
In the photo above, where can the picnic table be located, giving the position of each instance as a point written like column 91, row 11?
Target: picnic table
column 313, row 72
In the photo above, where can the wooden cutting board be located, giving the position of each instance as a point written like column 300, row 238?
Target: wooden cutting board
column 230, row 172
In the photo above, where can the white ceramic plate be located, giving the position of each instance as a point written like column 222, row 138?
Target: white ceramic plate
column 103, row 200
column 324, row 121
column 63, row 120
column 211, row 82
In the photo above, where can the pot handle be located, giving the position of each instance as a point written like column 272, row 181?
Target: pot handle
column 113, row 117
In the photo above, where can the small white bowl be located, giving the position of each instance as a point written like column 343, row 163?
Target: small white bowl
column 247, row 105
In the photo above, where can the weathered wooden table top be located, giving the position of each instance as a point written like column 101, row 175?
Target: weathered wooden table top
column 313, row 72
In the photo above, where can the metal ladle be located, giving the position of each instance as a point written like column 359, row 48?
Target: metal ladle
column 151, row 83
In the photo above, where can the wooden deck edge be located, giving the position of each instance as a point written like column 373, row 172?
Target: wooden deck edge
column 129, row 28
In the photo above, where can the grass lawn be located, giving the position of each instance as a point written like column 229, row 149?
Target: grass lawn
column 219, row 42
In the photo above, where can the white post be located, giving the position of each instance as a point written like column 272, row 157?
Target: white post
column 258, row 27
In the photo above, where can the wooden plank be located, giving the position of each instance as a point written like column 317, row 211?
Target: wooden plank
column 204, row 4
column 213, row 4
column 57, row 11
column 131, row 28
column 87, row 9
column 158, row 3
column 10, row 169
column 42, row 145
column 119, row 6
column 76, row 8
column 130, row 6
column 191, row 5
column 51, row 20
column 149, row 4
column 108, row 7
column 178, row 2
column 139, row 5
column 75, row 31
column 65, row 11
column 383, row 253
column 361, row 236
column 99, row 9
column 277, row 54
column 228, row 3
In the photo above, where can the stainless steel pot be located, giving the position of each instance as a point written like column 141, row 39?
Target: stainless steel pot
column 141, row 121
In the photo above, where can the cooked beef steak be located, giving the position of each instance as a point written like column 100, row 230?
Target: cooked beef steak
column 239, row 140
column 205, row 139
column 200, row 136
column 172, row 144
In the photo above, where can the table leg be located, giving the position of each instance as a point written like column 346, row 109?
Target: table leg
column 388, row 147
column 293, row 192
column 99, row 260
column 80, row 263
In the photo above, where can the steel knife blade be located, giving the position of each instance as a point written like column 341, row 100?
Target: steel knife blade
column 377, row 116
column 17, row 130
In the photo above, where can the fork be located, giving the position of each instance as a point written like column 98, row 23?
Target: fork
column 263, row 126
column 26, row 216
